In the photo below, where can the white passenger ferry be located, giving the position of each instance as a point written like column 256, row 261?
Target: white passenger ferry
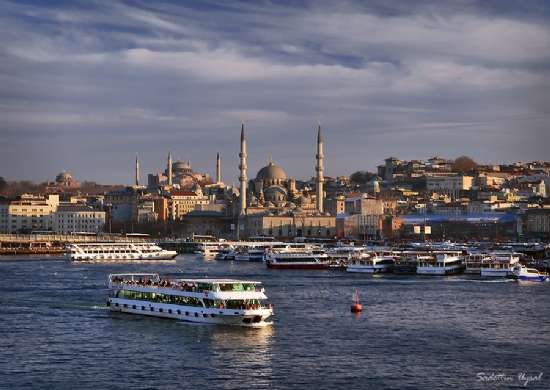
column 211, row 301
column 371, row 264
column 119, row 251
column 441, row 264
column 296, row 258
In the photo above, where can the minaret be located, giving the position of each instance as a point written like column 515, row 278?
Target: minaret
column 242, row 168
column 169, row 170
column 319, row 168
column 137, row 171
column 218, row 169
column 189, row 161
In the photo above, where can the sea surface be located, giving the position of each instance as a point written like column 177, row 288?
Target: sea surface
column 415, row 332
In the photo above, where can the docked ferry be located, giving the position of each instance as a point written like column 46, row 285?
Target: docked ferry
column 441, row 264
column 210, row 301
column 375, row 264
column 118, row 251
column 499, row 265
column 294, row 258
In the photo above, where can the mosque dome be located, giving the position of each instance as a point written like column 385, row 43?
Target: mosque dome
column 181, row 167
column 63, row 177
column 271, row 172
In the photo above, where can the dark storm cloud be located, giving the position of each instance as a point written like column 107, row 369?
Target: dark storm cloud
column 86, row 85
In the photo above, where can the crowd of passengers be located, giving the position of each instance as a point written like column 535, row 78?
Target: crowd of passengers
column 183, row 286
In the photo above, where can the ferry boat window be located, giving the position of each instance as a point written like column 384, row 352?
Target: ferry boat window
column 212, row 302
column 248, row 286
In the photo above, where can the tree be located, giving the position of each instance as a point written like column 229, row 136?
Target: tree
column 362, row 177
column 3, row 185
column 464, row 164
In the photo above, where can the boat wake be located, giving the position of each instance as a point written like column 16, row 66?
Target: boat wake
column 498, row 280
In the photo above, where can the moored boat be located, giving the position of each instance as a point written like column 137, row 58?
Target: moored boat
column 295, row 258
column 499, row 265
column 211, row 301
column 474, row 262
column 440, row 264
column 371, row 264
column 118, row 251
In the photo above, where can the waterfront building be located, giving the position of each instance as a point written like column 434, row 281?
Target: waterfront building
column 25, row 213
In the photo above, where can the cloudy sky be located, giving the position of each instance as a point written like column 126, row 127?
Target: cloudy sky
column 85, row 85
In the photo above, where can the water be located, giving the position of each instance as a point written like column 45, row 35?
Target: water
column 414, row 332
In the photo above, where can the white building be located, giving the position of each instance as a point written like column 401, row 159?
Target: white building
column 77, row 218
column 448, row 185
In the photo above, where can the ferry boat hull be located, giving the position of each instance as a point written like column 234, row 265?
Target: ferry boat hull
column 376, row 265
column 246, row 318
column 294, row 265
column 408, row 268
column 439, row 271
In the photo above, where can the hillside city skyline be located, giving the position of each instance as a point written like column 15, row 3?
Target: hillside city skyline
column 373, row 171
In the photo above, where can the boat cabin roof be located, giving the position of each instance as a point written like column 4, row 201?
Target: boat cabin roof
column 136, row 276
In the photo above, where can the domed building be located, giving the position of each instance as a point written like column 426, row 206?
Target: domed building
column 180, row 168
column 177, row 175
column 63, row 181
column 271, row 185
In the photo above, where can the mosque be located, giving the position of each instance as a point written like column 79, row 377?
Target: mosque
column 177, row 175
column 63, row 181
column 271, row 205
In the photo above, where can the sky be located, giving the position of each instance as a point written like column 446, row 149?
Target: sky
column 86, row 85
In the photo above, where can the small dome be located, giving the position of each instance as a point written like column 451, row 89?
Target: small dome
column 275, row 191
